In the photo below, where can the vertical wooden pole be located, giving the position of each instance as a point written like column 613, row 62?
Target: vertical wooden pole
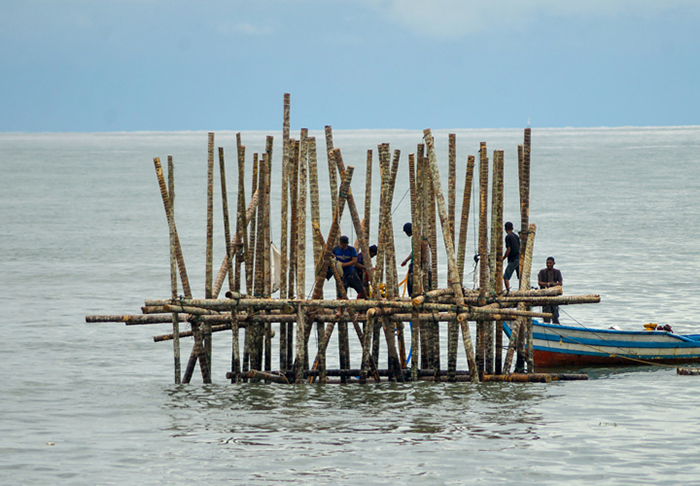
column 423, row 193
column 520, row 322
column 210, row 240
column 252, row 234
column 368, row 196
column 301, row 215
column 173, row 274
column 464, row 223
column 241, row 220
column 498, row 194
column 525, row 284
column 267, row 233
column 286, row 329
column 452, row 326
column 294, row 227
column 235, row 367
column 432, row 221
column 210, row 217
column 524, row 172
column 314, row 195
column 483, row 249
column 452, row 183
column 383, row 151
column 332, row 172
column 391, row 275
column 417, row 271
column 300, row 357
column 285, row 197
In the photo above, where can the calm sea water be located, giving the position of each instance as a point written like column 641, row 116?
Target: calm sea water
column 82, row 231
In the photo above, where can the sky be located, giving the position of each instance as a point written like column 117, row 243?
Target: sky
column 156, row 65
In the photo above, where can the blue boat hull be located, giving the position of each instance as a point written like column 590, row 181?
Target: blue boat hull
column 557, row 346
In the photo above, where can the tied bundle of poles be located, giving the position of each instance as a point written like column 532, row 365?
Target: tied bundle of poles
column 247, row 269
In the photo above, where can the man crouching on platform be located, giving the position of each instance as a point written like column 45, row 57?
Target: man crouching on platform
column 346, row 257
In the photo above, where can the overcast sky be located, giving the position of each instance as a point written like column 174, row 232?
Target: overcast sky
column 127, row 65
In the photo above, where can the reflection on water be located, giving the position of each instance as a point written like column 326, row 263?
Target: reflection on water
column 424, row 411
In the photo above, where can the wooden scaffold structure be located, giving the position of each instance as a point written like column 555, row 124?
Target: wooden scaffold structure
column 250, row 309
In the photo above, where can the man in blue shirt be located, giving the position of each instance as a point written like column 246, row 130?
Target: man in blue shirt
column 346, row 258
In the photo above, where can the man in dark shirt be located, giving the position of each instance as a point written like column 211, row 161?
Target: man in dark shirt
column 512, row 254
column 550, row 277
column 361, row 266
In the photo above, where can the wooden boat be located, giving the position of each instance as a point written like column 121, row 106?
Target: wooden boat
column 557, row 346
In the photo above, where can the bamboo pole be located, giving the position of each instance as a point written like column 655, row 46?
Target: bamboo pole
column 382, row 150
column 452, row 182
column 227, row 224
column 314, row 194
column 417, row 270
column 332, row 171
column 253, row 230
column 464, row 222
column 301, row 215
column 210, row 217
column 498, row 280
column 368, row 197
column 453, row 326
column 363, row 305
column 483, row 205
column 525, row 283
column 432, row 229
column 173, row 275
column 300, row 357
column 320, row 362
column 238, row 254
column 294, row 223
column 208, row 279
column 285, row 198
column 261, row 375
column 173, row 230
column 394, row 362
column 260, row 256
column 483, row 251
column 516, row 335
column 267, row 263
column 422, row 193
column 392, row 277
column 235, row 363
column 453, row 278
column 520, row 377
column 525, row 193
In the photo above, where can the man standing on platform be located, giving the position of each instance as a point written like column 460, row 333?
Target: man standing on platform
column 512, row 254
column 425, row 253
column 550, row 277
